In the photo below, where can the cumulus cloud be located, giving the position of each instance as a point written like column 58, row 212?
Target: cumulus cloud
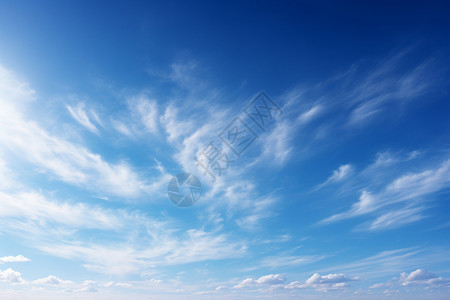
column 419, row 277
column 18, row 258
column 326, row 282
column 51, row 280
column 316, row 281
column 9, row 275
column 118, row 284
column 270, row 279
column 423, row 277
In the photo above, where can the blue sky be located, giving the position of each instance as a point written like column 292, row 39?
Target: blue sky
column 343, row 193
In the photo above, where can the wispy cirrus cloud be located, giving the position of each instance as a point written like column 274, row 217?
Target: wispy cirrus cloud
column 391, row 262
column 165, row 250
column 79, row 113
column 68, row 161
column 343, row 172
column 407, row 190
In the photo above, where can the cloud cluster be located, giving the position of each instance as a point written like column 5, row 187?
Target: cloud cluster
column 317, row 282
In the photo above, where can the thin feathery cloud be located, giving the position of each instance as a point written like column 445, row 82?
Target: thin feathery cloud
column 343, row 172
column 70, row 162
column 79, row 113
column 410, row 187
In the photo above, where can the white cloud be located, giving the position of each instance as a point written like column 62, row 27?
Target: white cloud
column 160, row 247
column 310, row 114
column 288, row 261
column 417, row 184
column 13, row 88
column 277, row 146
column 396, row 218
column 271, row 279
column 70, row 162
column 365, row 205
column 318, row 282
column 329, row 282
column 18, row 258
column 343, row 172
column 324, row 283
column 175, row 126
column 34, row 206
column 52, row 280
column 80, row 115
column 123, row 128
column 340, row 173
column 412, row 187
column 423, row 277
column 118, row 284
column 6, row 176
column 9, row 275
column 145, row 110
column 419, row 277
column 391, row 262
column 384, row 85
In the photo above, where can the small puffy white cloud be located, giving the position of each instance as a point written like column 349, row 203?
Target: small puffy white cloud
column 316, row 281
column 89, row 282
column 9, row 259
column 419, row 277
column 122, row 284
column 51, row 280
column 88, row 289
column 324, row 282
column 271, row 279
column 328, row 279
column 9, row 275
column 424, row 277
column 119, row 284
